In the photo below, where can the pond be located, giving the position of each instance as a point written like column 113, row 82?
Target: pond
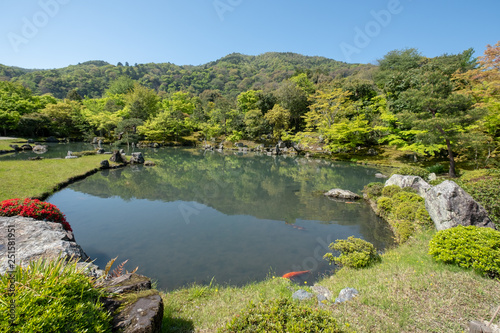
column 230, row 217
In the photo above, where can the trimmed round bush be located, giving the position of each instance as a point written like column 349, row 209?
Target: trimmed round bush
column 404, row 230
column 39, row 210
column 373, row 190
column 354, row 253
column 413, row 171
column 470, row 247
column 283, row 315
column 406, row 197
column 422, row 217
column 390, row 190
column 384, row 205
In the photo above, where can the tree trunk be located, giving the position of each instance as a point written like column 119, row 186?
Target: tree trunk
column 452, row 172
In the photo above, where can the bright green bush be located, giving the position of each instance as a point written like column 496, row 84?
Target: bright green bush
column 436, row 168
column 354, row 253
column 422, row 217
column 406, row 197
column 52, row 296
column 484, row 186
column 413, row 171
column 390, row 190
column 373, row 190
column 84, row 153
column 404, row 229
column 283, row 315
column 406, row 211
column 409, row 189
column 475, row 247
column 384, row 205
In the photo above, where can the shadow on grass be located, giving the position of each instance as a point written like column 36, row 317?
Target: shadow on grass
column 173, row 324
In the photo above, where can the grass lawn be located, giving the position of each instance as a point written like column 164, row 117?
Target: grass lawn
column 5, row 144
column 22, row 179
column 406, row 292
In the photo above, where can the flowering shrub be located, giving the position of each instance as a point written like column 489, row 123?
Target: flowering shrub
column 34, row 208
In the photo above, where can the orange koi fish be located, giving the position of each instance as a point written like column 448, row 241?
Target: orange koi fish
column 292, row 274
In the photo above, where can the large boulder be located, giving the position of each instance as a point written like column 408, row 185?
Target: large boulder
column 37, row 239
column 342, row 194
column 117, row 157
column 40, row 148
column 449, row 206
column 145, row 315
column 415, row 182
column 346, row 295
column 137, row 158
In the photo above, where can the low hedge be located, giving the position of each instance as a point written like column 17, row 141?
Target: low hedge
column 470, row 247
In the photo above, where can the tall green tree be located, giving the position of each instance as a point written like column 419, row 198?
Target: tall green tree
column 142, row 102
column 425, row 101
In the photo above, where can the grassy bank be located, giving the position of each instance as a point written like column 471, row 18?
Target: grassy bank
column 22, row 179
column 5, row 144
column 406, row 292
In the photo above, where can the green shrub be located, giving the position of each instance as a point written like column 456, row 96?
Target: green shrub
column 390, row 190
column 354, row 253
column 404, row 229
column 373, row 190
column 384, row 205
column 478, row 248
column 406, row 197
column 436, row 168
column 52, row 296
column 84, row 153
column 437, row 181
column 422, row 217
column 409, row 189
column 282, row 315
column 406, row 211
column 413, row 171
column 484, row 187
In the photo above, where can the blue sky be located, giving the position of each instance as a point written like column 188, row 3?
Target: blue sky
column 57, row 33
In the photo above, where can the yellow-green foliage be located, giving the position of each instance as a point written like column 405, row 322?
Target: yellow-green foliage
column 283, row 315
column 354, row 253
column 384, row 205
column 475, row 247
column 403, row 209
column 390, row 190
column 413, row 171
column 373, row 190
column 51, row 296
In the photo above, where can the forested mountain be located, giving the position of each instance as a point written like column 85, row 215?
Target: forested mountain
column 446, row 106
column 230, row 75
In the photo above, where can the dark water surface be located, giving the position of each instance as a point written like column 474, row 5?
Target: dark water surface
column 234, row 218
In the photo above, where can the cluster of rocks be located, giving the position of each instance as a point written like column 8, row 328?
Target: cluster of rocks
column 324, row 295
column 135, row 307
column 39, row 149
column 118, row 156
column 280, row 148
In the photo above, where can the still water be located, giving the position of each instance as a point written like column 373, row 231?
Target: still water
column 199, row 216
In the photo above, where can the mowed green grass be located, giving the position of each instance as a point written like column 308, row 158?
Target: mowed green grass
column 406, row 292
column 23, row 179
column 5, row 144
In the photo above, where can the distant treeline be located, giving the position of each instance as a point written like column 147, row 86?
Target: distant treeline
column 447, row 105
